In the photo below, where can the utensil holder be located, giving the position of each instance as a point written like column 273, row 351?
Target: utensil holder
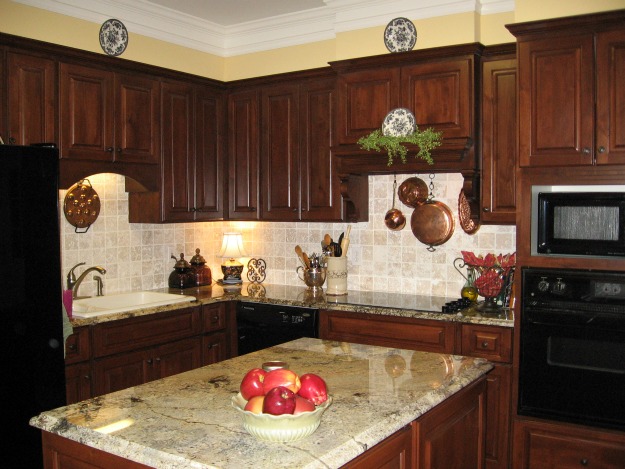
column 336, row 276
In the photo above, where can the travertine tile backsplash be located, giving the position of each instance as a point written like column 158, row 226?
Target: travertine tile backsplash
column 137, row 256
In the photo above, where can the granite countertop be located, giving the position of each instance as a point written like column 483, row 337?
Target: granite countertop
column 186, row 420
column 384, row 303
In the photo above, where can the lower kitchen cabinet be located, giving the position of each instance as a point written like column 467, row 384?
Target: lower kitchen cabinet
column 387, row 331
column 491, row 342
column 131, row 369
column 540, row 444
column 395, row 452
column 115, row 355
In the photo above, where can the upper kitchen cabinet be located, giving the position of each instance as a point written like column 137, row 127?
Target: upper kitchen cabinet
column 571, row 96
column 192, row 118
column 438, row 85
column 243, row 154
column 108, row 118
column 499, row 135
column 297, row 171
column 31, row 99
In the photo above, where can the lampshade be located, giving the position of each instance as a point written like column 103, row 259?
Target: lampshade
column 232, row 246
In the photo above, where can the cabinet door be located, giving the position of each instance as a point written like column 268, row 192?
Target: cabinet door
column 499, row 141
column 440, row 95
column 243, row 152
column 137, row 120
column 498, row 391
column 365, row 98
column 280, row 169
column 395, row 452
column 556, row 101
column 214, row 348
column 610, row 97
column 320, row 191
column 86, row 110
column 122, row 371
column 178, row 151
column 176, row 357
column 31, row 99
column 209, row 157
column 540, row 445
column 77, row 382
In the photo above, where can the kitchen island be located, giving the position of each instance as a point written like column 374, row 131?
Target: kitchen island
column 186, row 420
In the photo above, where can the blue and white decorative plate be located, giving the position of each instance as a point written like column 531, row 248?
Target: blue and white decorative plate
column 399, row 123
column 113, row 37
column 400, row 35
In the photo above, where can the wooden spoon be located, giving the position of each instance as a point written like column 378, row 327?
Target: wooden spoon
column 302, row 256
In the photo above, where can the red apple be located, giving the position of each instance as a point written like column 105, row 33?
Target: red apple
column 278, row 401
column 281, row 377
column 252, row 383
column 313, row 388
column 303, row 405
column 255, row 404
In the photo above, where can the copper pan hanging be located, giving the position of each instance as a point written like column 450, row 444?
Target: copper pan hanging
column 432, row 222
column 81, row 206
column 413, row 192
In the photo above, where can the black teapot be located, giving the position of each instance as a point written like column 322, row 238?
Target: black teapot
column 183, row 275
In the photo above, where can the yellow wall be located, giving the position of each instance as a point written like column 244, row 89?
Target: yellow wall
column 39, row 24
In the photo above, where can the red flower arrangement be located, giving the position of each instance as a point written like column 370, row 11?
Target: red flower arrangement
column 491, row 271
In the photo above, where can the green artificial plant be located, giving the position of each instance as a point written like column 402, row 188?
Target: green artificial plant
column 426, row 140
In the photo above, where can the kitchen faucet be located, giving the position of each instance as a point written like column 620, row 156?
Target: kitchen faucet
column 73, row 283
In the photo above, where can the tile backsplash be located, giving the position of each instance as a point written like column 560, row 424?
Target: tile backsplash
column 138, row 256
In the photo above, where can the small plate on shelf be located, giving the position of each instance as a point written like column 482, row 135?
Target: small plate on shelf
column 400, row 35
column 399, row 123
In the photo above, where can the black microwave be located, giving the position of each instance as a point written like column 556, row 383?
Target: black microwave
column 578, row 223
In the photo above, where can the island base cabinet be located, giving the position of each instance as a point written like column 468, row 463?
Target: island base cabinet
column 395, row 452
column 452, row 436
column 61, row 453
column 547, row 445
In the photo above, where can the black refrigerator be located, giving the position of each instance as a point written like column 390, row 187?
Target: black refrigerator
column 33, row 378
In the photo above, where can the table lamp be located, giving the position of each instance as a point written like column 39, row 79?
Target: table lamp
column 232, row 248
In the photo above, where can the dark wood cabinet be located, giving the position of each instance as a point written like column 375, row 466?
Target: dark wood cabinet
column 570, row 92
column 192, row 119
column 107, row 116
column 494, row 344
column 437, row 85
column 298, row 177
column 280, row 162
column 31, row 99
column 77, row 366
column 395, row 452
column 540, row 444
column 499, row 138
column 452, row 435
column 243, row 154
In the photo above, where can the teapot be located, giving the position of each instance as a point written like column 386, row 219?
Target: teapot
column 201, row 271
column 183, row 275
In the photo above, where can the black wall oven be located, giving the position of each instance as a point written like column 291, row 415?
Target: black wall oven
column 572, row 357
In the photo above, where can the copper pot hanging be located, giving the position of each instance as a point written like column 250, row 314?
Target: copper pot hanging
column 432, row 223
column 394, row 219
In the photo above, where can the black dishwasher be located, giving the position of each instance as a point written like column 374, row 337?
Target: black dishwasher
column 262, row 325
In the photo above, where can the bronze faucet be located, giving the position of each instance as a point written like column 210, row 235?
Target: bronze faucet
column 73, row 283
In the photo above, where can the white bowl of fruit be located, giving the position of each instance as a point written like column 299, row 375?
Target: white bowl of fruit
column 279, row 405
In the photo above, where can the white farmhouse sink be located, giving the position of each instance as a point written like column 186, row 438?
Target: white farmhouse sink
column 98, row 305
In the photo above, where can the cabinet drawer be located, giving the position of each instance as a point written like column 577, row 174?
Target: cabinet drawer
column 213, row 317
column 136, row 333
column 490, row 342
column 388, row 331
column 77, row 346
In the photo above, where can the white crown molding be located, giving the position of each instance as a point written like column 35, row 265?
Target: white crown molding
column 149, row 19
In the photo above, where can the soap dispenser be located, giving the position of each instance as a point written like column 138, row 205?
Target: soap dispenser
column 202, row 271
column 183, row 275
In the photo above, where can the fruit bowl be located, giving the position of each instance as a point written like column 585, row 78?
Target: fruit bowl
column 280, row 428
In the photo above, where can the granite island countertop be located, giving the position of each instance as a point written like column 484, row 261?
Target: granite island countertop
column 186, row 420
column 383, row 303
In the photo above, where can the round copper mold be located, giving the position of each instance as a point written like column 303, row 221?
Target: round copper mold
column 464, row 215
column 432, row 223
column 413, row 192
column 81, row 205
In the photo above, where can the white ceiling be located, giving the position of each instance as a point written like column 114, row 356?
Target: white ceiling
column 233, row 27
